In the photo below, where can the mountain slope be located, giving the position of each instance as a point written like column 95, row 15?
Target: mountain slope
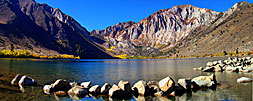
column 44, row 30
column 168, row 31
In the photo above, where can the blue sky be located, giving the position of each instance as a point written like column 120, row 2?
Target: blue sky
column 99, row 14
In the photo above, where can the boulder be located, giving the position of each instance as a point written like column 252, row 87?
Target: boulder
column 236, row 69
column 209, row 69
column 61, row 85
column 202, row 82
column 48, row 89
column 73, row 84
column 16, row 78
column 153, row 87
column 60, row 93
column 159, row 94
column 78, row 91
column 167, row 85
column 215, row 63
column 245, row 71
column 244, row 80
column 229, row 68
column 95, row 90
column 142, row 88
column 125, row 86
column 209, row 64
column 217, row 68
column 116, row 92
column 26, row 80
column 86, row 85
column 213, row 78
column 185, row 83
column 105, row 89
column 179, row 90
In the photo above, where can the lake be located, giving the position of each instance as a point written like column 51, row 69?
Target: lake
column 100, row 71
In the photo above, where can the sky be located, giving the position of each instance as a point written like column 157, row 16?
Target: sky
column 99, row 14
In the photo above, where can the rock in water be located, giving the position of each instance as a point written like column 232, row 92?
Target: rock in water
column 244, row 80
column 202, row 82
column 61, row 85
column 73, row 84
column 116, row 92
column 209, row 64
column 16, row 78
column 125, row 86
column 26, row 80
column 95, row 90
column 60, row 93
column 105, row 89
column 209, row 69
column 142, row 88
column 185, row 83
column 153, row 87
column 86, row 85
column 48, row 89
column 167, row 84
column 78, row 91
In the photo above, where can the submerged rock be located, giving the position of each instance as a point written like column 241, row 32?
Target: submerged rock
column 167, row 85
column 48, row 89
column 60, row 93
column 61, row 85
column 244, row 80
column 105, row 89
column 26, row 80
column 16, row 78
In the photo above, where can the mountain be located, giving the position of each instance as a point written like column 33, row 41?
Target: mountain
column 44, row 30
column 169, row 31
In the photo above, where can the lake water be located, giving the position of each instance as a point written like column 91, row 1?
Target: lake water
column 112, row 71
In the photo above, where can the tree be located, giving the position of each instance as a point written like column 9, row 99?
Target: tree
column 12, row 47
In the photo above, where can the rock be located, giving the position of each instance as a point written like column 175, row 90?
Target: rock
column 73, row 84
column 229, row 68
column 116, row 92
column 198, row 69
column 244, row 80
column 61, row 85
column 179, row 90
column 153, row 87
column 125, row 86
column 209, row 69
column 95, row 90
column 217, row 68
column 249, row 68
column 105, row 89
column 209, row 64
column 26, row 80
column 142, row 88
column 235, row 70
column 16, row 78
column 159, row 94
column 215, row 63
column 245, row 71
column 48, row 89
column 60, row 93
column 78, row 91
column 167, row 85
column 213, row 78
column 86, row 85
column 185, row 83
column 202, row 82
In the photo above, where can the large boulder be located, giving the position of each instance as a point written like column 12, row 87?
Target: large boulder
column 244, row 80
column 16, row 78
column 86, row 85
column 117, row 92
column 167, row 85
column 202, row 82
column 95, row 90
column 142, row 88
column 61, row 85
column 185, row 83
column 125, row 86
column 48, row 89
column 26, row 80
column 105, row 89
column 78, row 91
